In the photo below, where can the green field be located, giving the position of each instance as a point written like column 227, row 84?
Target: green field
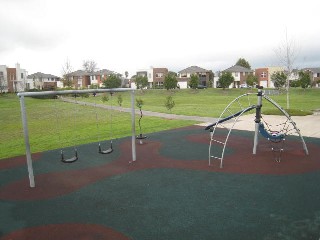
column 56, row 124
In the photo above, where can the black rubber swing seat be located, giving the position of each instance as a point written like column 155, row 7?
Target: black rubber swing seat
column 109, row 150
column 141, row 136
column 69, row 160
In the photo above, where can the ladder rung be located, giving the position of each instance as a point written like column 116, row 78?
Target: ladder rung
column 216, row 157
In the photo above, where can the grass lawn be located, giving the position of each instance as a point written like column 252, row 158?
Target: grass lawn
column 55, row 124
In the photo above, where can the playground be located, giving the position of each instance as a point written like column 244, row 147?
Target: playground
column 169, row 192
column 163, row 185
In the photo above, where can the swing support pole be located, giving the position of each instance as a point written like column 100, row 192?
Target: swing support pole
column 26, row 141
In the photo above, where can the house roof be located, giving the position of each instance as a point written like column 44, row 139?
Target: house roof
column 314, row 70
column 105, row 72
column 194, row 69
column 79, row 73
column 237, row 68
column 41, row 75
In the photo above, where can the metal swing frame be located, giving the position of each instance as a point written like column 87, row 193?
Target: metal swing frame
column 235, row 118
column 22, row 96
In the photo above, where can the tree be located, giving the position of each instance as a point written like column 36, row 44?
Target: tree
column 170, row 81
column 66, row 70
column 252, row 80
column 279, row 79
column 225, row 80
column 304, row 79
column 141, row 82
column 112, row 81
column 287, row 54
column 126, row 74
column 243, row 63
column 169, row 103
column 89, row 66
column 120, row 100
column 194, row 81
column 211, row 78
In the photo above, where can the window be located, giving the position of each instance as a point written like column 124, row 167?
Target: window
column 159, row 75
column 263, row 74
column 183, row 74
column 236, row 74
column 22, row 75
column 318, row 74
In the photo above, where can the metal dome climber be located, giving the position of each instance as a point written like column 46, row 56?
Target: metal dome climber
column 274, row 137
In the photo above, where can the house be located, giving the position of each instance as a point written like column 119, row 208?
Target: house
column 42, row 81
column 12, row 79
column 155, row 77
column 240, row 75
column 83, row 79
column 315, row 76
column 184, row 76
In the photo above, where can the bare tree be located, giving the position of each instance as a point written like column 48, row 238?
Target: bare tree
column 89, row 66
column 66, row 70
column 287, row 54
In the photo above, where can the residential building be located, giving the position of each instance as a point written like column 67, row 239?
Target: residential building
column 83, row 79
column 263, row 77
column 240, row 75
column 315, row 76
column 12, row 79
column 42, row 81
column 3, row 79
column 155, row 77
column 184, row 76
column 159, row 76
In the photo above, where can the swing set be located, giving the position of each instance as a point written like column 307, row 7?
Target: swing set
column 275, row 137
column 74, row 158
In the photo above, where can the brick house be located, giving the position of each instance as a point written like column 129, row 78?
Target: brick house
column 184, row 76
column 240, row 75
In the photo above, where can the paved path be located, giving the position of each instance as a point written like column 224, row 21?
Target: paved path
column 308, row 125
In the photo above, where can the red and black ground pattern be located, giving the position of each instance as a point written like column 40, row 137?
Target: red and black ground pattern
column 170, row 192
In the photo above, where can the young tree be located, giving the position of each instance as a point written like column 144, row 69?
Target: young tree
column 304, row 79
column 120, row 100
column 287, row 54
column 112, row 81
column 141, row 82
column 225, row 79
column 243, row 63
column 279, row 79
column 194, row 81
column 170, row 81
column 89, row 66
column 66, row 70
column 252, row 80
column 169, row 103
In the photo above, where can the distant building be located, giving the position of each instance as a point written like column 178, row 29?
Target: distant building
column 184, row 76
column 42, row 81
column 240, row 75
column 12, row 79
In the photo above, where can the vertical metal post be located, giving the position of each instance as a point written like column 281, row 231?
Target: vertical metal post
column 26, row 140
column 133, row 119
column 257, row 120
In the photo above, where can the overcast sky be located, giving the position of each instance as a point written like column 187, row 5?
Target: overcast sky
column 128, row 35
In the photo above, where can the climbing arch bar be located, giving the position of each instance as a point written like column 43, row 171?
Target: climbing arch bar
column 22, row 96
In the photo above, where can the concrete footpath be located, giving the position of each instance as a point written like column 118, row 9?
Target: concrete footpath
column 309, row 125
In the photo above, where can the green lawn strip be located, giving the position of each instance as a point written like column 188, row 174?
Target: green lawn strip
column 47, row 131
